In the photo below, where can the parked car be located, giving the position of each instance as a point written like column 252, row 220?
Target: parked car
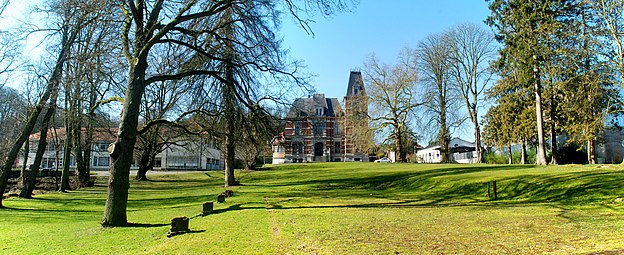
column 383, row 160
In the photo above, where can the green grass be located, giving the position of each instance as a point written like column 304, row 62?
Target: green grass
column 339, row 208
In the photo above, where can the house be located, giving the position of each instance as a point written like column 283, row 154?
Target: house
column 318, row 130
column 461, row 152
column 194, row 154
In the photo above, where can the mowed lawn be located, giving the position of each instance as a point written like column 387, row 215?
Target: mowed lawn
column 339, row 208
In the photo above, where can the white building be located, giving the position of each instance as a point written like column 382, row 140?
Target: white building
column 461, row 152
column 196, row 154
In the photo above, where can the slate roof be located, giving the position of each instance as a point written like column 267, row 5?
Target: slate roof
column 307, row 106
column 356, row 85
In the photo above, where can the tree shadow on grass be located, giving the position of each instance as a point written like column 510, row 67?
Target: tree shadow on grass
column 144, row 225
column 187, row 232
column 45, row 210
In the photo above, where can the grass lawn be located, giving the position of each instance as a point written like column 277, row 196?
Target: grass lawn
column 339, row 208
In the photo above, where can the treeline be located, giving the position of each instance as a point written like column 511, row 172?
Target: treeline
column 205, row 68
column 559, row 72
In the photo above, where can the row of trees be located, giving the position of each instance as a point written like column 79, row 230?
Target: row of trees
column 559, row 67
column 430, row 85
column 208, row 68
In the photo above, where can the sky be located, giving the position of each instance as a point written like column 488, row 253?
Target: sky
column 343, row 43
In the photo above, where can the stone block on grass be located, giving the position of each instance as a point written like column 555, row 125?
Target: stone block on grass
column 179, row 225
column 208, row 207
column 221, row 198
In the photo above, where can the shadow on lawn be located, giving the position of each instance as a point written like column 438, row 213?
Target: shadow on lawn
column 449, row 186
column 144, row 225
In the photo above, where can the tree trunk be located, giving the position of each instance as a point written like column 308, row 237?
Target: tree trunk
column 478, row 148
column 25, row 163
column 76, row 132
column 523, row 160
column 444, row 132
column 31, row 178
column 398, row 143
column 148, row 155
column 230, row 148
column 553, row 131
column 122, row 149
column 17, row 145
column 52, row 85
column 66, row 161
column 553, row 145
column 67, row 145
column 144, row 160
column 541, row 152
column 591, row 157
column 229, row 96
column 88, row 141
column 510, row 161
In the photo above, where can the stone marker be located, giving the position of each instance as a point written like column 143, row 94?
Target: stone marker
column 221, row 198
column 179, row 225
column 228, row 193
column 208, row 206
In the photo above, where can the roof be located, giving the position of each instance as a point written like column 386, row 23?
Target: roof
column 453, row 143
column 99, row 134
column 356, row 85
column 307, row 106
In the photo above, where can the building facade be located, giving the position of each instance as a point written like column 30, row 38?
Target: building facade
column 196, row 154
column 318, row 130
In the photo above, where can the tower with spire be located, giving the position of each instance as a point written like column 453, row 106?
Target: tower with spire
column 358, row 136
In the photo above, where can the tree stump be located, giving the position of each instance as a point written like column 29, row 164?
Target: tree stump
column 179, row 225
column 208, row 207
column 228, row 193
column 221, row 198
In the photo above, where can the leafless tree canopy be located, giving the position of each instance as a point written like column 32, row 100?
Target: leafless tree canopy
column 393, row 96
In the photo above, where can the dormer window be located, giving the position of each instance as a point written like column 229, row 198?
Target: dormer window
column 319, row 111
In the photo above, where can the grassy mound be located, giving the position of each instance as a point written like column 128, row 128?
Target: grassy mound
column 339, row 208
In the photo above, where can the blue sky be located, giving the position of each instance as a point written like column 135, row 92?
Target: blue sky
column 344, row 42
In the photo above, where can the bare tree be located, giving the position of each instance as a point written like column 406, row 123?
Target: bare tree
column 194, row 26
column 12, row 114
column 472, row 50
column 440, row 96
column 51, row 89
column 160, row 101
column 73, row 17
column 8, row 49
column 392, row 92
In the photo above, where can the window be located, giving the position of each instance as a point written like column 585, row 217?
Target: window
column 158, row 162
column 100, row 146
column 51, row 146
column 47, row 163
column 319, row 111
column 101, row 161
column 183, row 161
column 297, row 148
column 318, row 128
column 336, row 129
column 337, row 147
column 297, row 128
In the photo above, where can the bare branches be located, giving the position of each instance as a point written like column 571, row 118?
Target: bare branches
column 392, row 91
